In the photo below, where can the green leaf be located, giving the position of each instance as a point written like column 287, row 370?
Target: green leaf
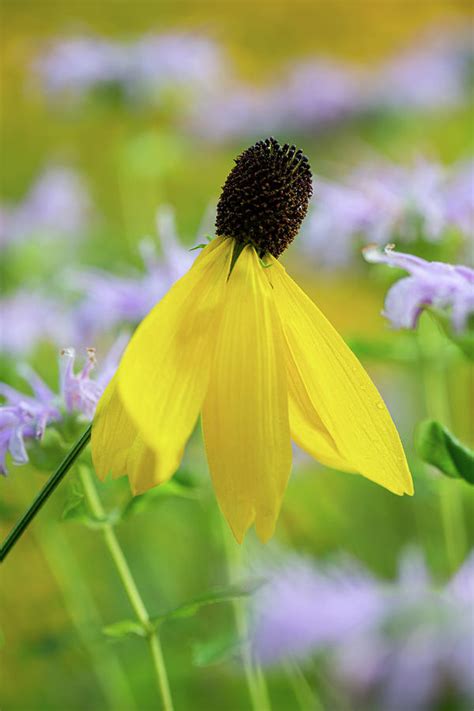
column 74, row 506
column 125, row 628
column 140, row 503
column 216, row 651
column 218, row 595
column 438, row 447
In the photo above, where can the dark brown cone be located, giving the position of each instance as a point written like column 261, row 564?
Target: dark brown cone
column 265, row 197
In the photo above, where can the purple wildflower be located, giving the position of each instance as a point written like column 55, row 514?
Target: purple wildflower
column 310, row 95
column 128, row 299
column 383, row 202
column 75, row 66
column 25, row 417
column 440, row 65
column 57, row 205
column 460, row 199
column 28, row 318
column 434, row 284
column 302, row 609
column 422, row 654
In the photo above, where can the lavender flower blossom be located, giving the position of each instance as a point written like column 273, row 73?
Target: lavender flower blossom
column 422, row 654
column 302, row 609
column 28, row 318
column 439, row 64
column 460, row 199
column 391, row 645
column 383, row 202
column 25, row 417
column 128, row 299
column 310, row 95
column 73, row 67
column 434, row 284
column 57, row 205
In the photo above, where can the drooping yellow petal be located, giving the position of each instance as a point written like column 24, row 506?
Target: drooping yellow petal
column 117, row 448
column 164, row 372
column 113, row 433
column 245, row 413
column 340, row 391
column 307, row 429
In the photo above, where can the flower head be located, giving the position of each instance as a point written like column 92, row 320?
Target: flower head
column 25, row 417
column 443, row 286
column 265, row 197
column 237, row 340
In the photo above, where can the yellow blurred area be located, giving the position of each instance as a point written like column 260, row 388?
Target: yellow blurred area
column 257, row 35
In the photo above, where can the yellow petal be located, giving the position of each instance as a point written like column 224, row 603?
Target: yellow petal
column 164, row 372
column 245, row 413
column 307, row 429
column 347, row 402
column 117, row 448
column 113, row 433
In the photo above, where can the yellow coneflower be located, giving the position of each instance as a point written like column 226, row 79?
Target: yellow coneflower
column 238, row 341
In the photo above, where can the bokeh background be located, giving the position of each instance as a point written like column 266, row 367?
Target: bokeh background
column 119, row 124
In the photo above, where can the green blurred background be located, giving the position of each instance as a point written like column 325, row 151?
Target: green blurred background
column 59, row 588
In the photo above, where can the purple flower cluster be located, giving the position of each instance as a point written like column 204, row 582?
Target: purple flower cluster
column 75, row 66
column 106, row 301
column 318, row 92
column 128, row 299
column 28, row 317
column 436, row 284
column 383, row 202
column 25, row 417
column 57, row 205
column 310, row 95
column 429, row 75
column 393, row 645
column 293, row 103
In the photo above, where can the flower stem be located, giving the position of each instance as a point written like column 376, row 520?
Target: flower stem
column 129, row 585
column 44, row 494
column 255, row 678
column 438, row 406
column 85, row 617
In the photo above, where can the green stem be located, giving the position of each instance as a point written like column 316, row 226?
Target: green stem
column 44, row 494
column 86, row 617
column 257, row 687
column 305, row 695
column 438, row 407
column 129, row 585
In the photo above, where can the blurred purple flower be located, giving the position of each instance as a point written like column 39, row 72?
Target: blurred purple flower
column 460, row 199
column 302, row 608
column 77, row 65
column 110, row 299
column 422, row 655
column 393, row 645
column 310, row 94
column 437, row 284
column 338, row 214
column 430, row 75
column 28, row 318
column 383, row 202
column 25, row 417
column 57, row 205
